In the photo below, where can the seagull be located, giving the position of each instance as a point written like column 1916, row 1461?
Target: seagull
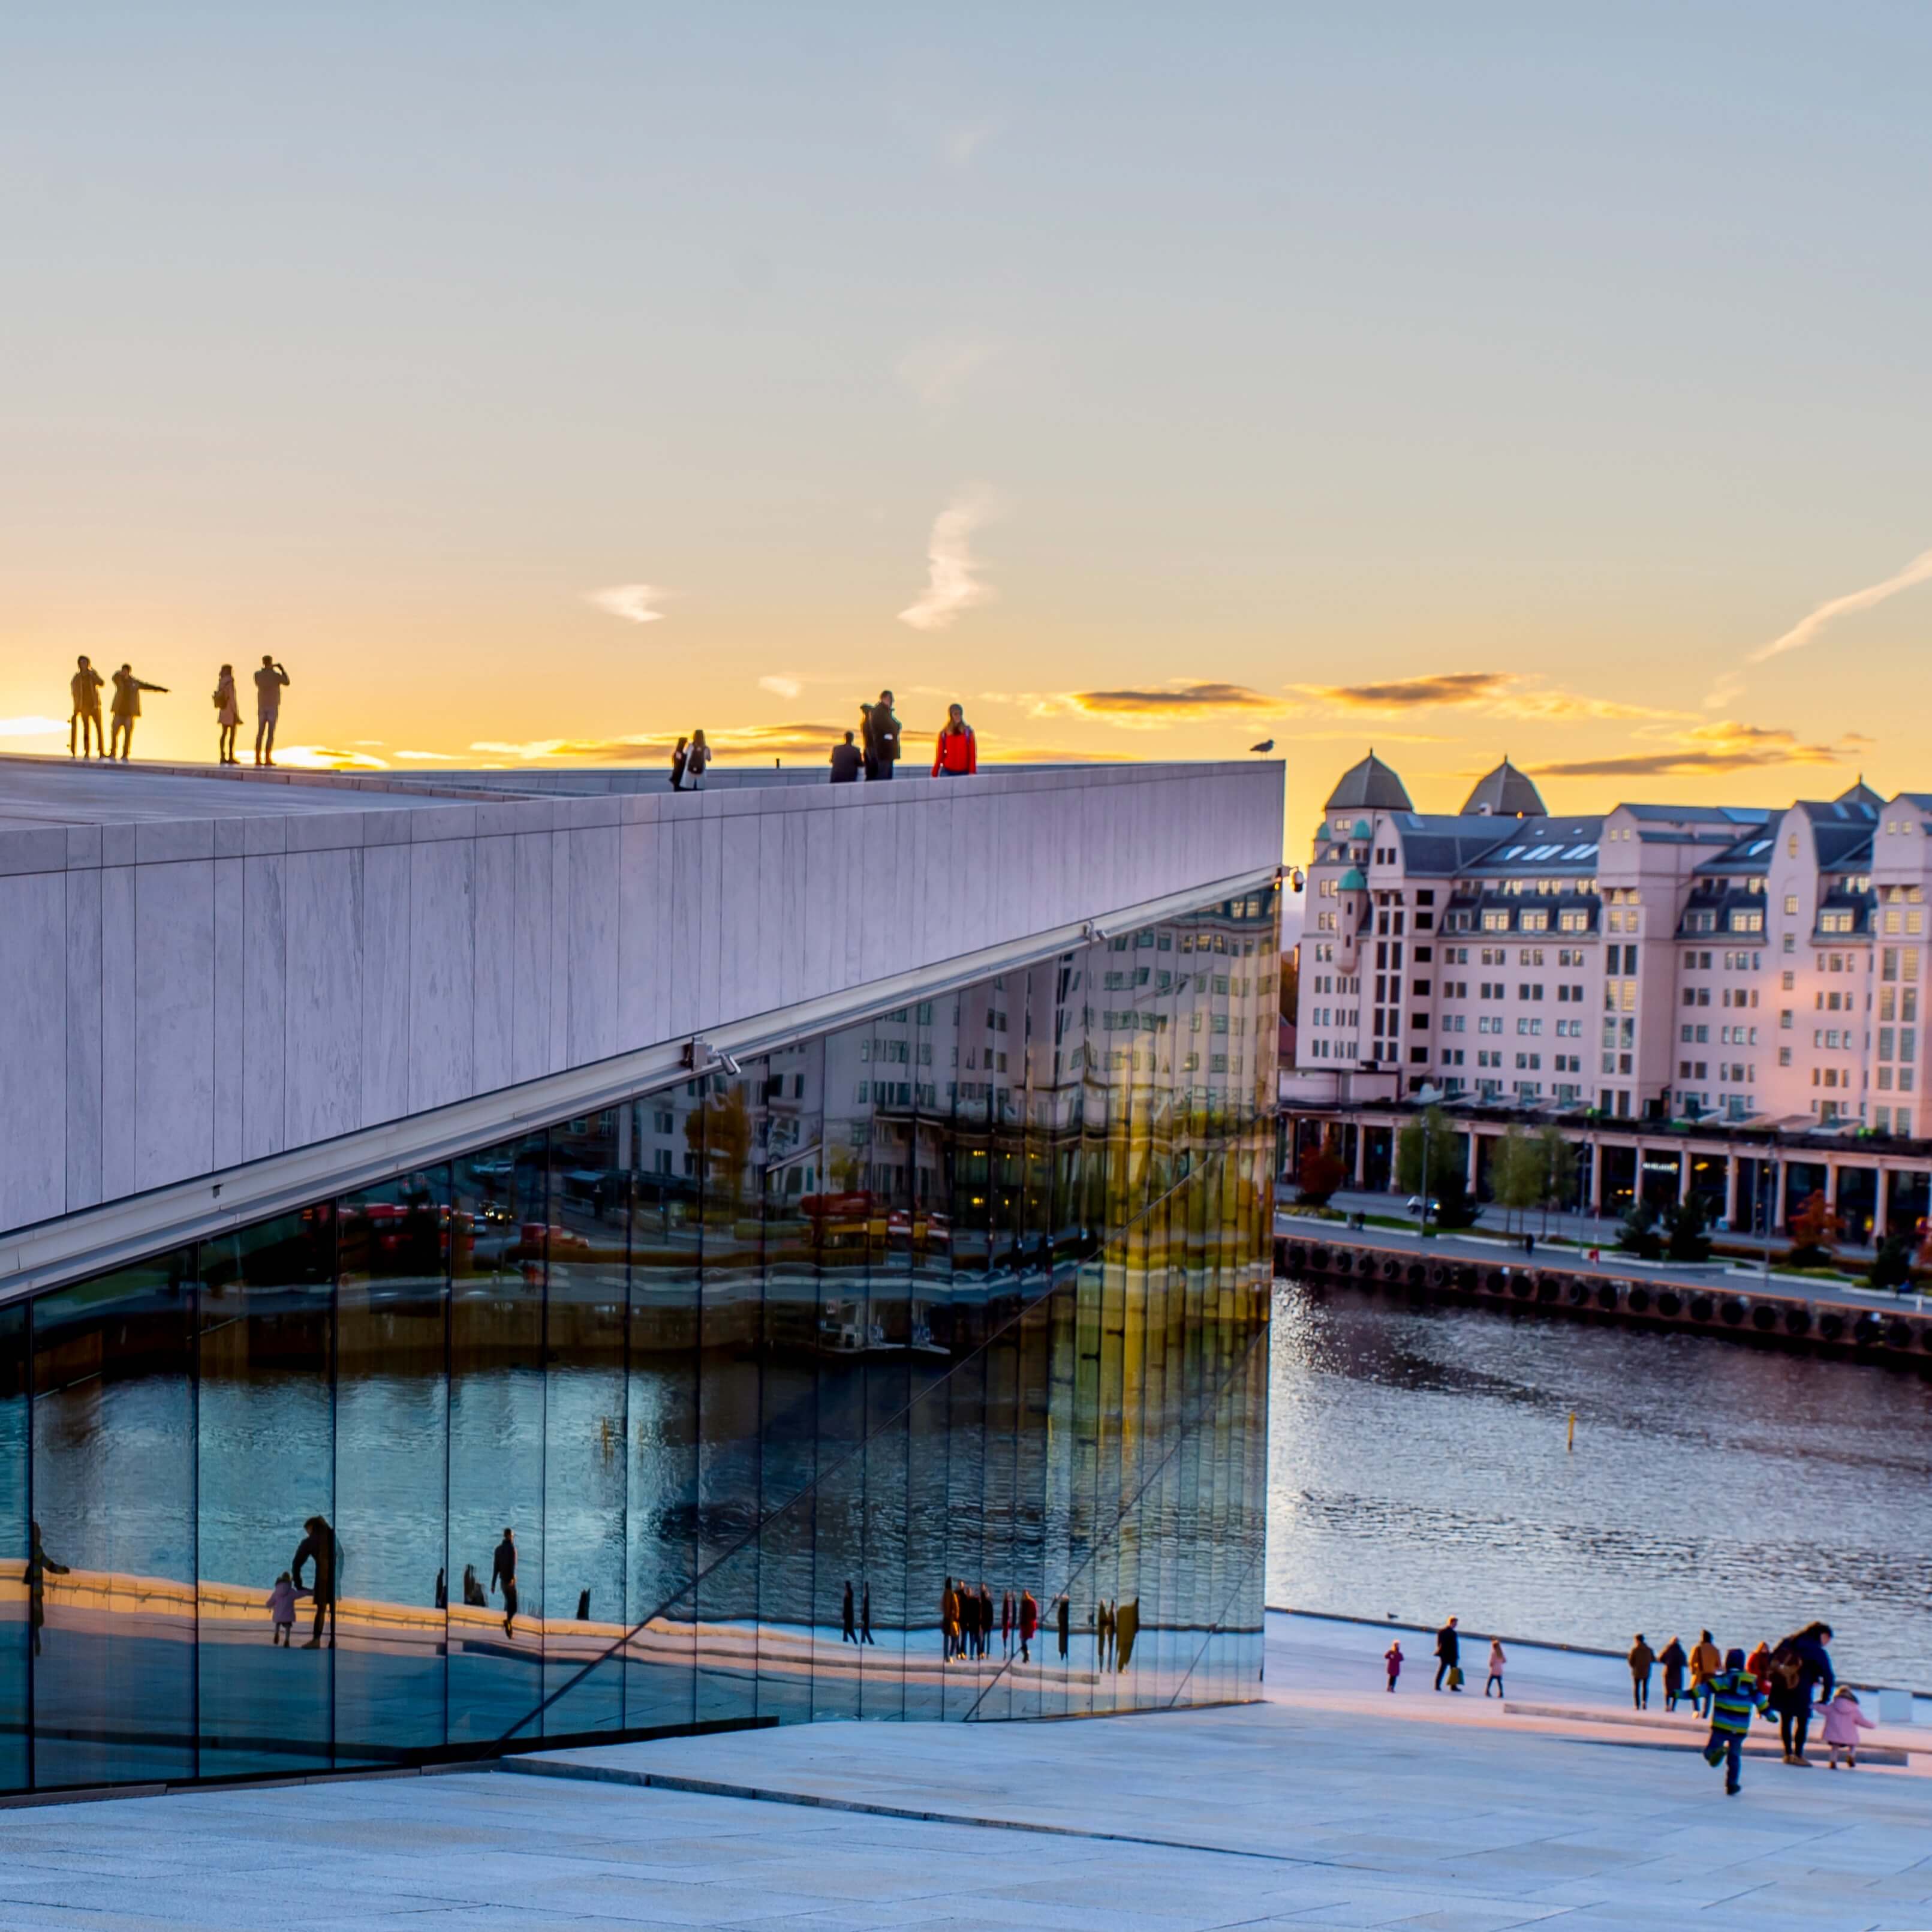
column 1266, row 745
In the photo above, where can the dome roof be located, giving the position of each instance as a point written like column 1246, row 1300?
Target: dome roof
column 1371, row 786
column 1352, row 881
column 1505, row 792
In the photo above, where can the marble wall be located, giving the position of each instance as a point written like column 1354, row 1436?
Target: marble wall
column 178, row 996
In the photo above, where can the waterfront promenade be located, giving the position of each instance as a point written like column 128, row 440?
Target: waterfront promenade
column 1317, row 1806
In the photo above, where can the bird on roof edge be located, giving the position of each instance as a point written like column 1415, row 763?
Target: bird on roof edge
column 1266, row 745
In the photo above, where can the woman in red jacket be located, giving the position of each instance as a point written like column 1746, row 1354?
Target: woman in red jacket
column 957, row 754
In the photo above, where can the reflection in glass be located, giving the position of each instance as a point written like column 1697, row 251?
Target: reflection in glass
column 394, row 1245
column 114, row 1495
column 703, row 1408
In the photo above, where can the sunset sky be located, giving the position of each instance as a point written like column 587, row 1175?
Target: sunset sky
column 541, row 382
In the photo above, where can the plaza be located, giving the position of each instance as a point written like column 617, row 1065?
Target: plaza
column 1327, row 1805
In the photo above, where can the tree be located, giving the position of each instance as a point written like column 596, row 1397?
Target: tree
column 1516, row 1174
column 1558, row 1159
column 1891, row 1266
column 1318, row 1175
column 1638, row 1233
column 1688, row 1241
column 1815, row 1228
column 1447, row 1181
column 719, row 1133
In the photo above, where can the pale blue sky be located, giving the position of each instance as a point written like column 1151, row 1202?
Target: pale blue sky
column 1281, row 349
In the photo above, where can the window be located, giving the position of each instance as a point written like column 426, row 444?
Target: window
column 1749, row 922
column 1784, row 1056
column 1496, row 922
column 1791, row 905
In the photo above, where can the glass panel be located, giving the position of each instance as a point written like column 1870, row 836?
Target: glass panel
column 723, row 1134
column 661, row 1505
column 393, row 1248
column 271, row 1565
column 113, row 1463
column 23, row 1577
column 496, row 1559
column 587, row 1426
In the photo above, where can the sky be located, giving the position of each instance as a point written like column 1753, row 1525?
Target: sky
column 539, row 383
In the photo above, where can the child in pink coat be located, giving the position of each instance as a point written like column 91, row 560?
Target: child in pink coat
column 1392, row 1662
column 1843, row 1720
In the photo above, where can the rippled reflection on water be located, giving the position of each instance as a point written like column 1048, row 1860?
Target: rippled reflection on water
column 1417, row 1466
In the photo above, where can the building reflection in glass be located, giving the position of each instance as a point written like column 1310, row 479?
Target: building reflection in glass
column 707, row 1407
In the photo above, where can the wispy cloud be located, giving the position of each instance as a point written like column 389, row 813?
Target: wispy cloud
column 1495, row 694
column 1160, row 704
column 781, row 687
column 437, row 757
column 633, row 602
column 1710, row 750
column 763, row 741
column 936, row 372
column 952, row 586
column 328, row 758
column 1919, row 571
column 31, row 727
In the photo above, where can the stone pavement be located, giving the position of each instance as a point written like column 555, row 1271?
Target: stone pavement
column 1289, row 1813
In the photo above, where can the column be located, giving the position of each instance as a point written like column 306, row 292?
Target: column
column 1683, row 1175
column 1774, row 1222
column 1880, row 1189
column 1473, row 1161
column 1730, row 1190
column 1830, row 1187
column 1596, row 1152
column 1361, row 1155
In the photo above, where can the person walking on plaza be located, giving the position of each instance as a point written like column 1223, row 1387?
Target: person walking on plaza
column 270, row 682
column 128, row 690
column 1029, row 1616
column 865, row 1636
column 503, row 1571
column 1449, row 1656
column 1735, row 1695
column 957, row 754
column 1392, row 1662
column 227, row 713
column 1006, row 1623
column 986, row 1619
column 1642, row 1657
column 848, row 1622
column 845, row 762
column 1062, row 1620
column 85, row 688
column 1759, row 1664
column 1673, row 1660
column 880, row 726
column 1706, row 1663
column 1497, row 1660
column 281, row 1608
column 948, row 1620
column 1797, row 1664
column 1843, row 1720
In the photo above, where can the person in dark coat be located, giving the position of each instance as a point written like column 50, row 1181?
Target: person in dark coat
column 503, row 1571
column 127, row 707
column 881, row 726
column 866, row 1614
column 40, row 1566
column 1674, row 1658
column 1642, row 1657
column 1062, row 1620
column 318, row 1543
column 846, row 762
column 1799, row 1665
column 1029, row 1621
column 848, row 1624
column 1448, row 1653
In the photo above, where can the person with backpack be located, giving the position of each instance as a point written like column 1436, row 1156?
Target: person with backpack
column 227, row 713
column 957, row 754
column 1735, row 1696
column 1797, row 1664
column 880, row 730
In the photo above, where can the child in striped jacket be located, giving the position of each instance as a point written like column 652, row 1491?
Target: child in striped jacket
column 1735, row 1696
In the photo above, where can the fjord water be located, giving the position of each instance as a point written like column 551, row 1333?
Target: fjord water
column 1418, row 1466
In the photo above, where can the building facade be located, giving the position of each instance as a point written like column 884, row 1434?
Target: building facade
column 686, row 1385
column 1757, row 968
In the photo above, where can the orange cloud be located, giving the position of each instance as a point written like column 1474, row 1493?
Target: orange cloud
column 1710, row 750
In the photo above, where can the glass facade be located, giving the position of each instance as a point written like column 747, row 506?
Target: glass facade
column 730, row 1403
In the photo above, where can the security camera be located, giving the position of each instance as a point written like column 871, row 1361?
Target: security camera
column 729, row 1063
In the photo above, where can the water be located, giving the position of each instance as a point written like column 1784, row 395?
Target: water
column 1417, row 1466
